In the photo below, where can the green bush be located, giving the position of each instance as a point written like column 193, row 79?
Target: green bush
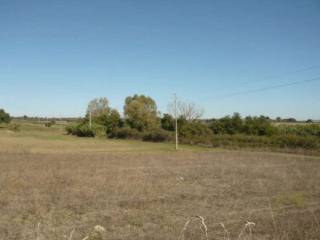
column 126, row 133
column 195, row 133
column 168, row 122
column 251, row 141
column 260, row 126
column 157, row 135
column 4, row 117
column 294, row 141
column 71, row 129
column 49, row 124
column 84, row 130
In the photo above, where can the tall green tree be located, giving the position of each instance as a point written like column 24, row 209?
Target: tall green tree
column 141, row 112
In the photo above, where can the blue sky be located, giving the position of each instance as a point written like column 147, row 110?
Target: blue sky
column 57, row 55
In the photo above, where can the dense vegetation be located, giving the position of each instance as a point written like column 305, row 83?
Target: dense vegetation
column 143, row 121
column 4, row 117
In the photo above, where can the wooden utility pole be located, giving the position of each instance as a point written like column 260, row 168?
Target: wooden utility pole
column 90, row 119
column 176, row 120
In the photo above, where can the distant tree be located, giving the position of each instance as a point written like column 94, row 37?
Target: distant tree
column 231, row 125
column 25, row 117
column 4, row 117
column 103, row 115
column 290, row 120
column 189, row 111
column 141, row 112
column 168, row 122
column 98, row 106
column 309, row 121
column 217, row 126
column 278, row 119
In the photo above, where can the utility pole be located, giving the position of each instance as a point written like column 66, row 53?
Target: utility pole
column 90, row 119
column 176, row 119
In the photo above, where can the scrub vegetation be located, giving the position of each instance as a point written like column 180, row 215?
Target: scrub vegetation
column 142, row 121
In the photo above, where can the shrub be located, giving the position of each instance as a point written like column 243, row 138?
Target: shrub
column 83, row 130
column 229, row 125
column 49, row 124
column 168, row 122
column 71, row 128
column 260, row 126
column 126, row 133
column 157, row 135
column 294, row 141
column 195, row 133
column 4, row 117
column 284, row 141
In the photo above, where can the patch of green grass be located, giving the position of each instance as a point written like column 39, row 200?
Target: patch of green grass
column 296, row 199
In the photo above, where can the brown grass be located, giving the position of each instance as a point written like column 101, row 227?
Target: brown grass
column 151, row 196
column 137, row 194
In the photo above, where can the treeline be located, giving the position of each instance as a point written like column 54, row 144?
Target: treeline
column 47, row 119
column 261, row 132
column 142, row 121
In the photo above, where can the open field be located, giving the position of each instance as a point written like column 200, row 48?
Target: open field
column 139, row 190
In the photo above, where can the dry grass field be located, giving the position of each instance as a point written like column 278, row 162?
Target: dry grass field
column 52, row 185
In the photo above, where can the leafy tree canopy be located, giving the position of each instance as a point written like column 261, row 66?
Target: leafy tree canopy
column 141, row 112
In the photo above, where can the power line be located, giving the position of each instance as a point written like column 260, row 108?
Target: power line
column 271, row 77
column 269, row 88
column 286, row 74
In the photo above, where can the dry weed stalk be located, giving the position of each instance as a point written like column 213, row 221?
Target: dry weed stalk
column 71, row 234
column 272, row 216
column 315, row 218
column 96, row 233
column 38, row 231
column 226, row 233
column 203, row 227
column 249, row 226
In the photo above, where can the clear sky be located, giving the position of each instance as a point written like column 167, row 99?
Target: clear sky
column 55, row 56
